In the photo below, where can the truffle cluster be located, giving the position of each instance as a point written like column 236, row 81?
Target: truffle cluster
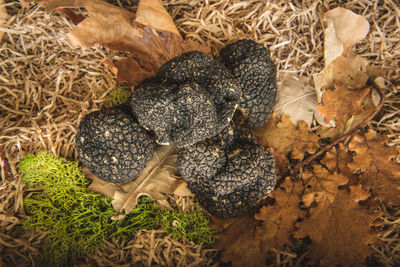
column 192, row 97
column 194, row 102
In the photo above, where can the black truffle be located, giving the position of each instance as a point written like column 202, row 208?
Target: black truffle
column 192, row 97
column 112, row 145
column 251, row 64
column 228, row 173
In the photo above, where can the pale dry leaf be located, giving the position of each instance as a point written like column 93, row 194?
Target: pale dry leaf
column 152, row 13
column 3, row 17
column 296, row 99
column 343, row 29
column 158, row 178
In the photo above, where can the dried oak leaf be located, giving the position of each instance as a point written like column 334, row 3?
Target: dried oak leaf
column 380, row 171
column 247, row 240
column 337, row 159
column 341, row 104
column 150, row 36
column 283, row 136
column 157, row 179
column 340, row 230
column 319, row 181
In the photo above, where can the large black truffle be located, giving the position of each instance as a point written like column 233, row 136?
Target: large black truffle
column 229, row 173
column 192, row 97
column 112, row 145
column 251, row 64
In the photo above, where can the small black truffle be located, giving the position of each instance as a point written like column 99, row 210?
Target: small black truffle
column 192, row 97
column 251, row 64
column 228, row 173
column 112, row 145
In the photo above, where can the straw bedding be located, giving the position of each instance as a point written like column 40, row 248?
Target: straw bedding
column 46, row 87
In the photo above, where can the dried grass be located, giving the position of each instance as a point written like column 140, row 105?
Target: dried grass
column 46, row 87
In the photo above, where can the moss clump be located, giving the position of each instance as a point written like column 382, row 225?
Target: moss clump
column 119, row 96
column 80, row 220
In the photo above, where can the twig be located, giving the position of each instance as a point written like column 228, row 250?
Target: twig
column 343, row 137
column 5, row 170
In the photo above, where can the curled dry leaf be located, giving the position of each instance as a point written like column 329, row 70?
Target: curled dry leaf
column 153, row 14
column 283, row 136
column 380, row 172
column 340, row 104
column 343, row 28
column 156, row 180
column 340, row 230
column 296, row 99
column 150, row 36
column 247, row 240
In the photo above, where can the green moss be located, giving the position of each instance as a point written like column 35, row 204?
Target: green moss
column 80, row 220
column 119, row 96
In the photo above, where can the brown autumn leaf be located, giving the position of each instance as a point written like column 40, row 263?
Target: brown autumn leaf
column 156, row 180
column 150, row 44
column 340, row 230
column 283, row 136
column 247, row 240
column 238, row 240
column 380, row 171
column 336, row 160
column 341, row 104
column 318, row 181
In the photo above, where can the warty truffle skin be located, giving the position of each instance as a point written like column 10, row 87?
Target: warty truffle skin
column 251, row 64
column 112, row 145
column 229, row 173
column 192, row 97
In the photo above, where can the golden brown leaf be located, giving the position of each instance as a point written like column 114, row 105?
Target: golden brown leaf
column 377, row 162
column 319, row 182
column 156, row 180
column 246, row 240
column 336, row 160
column 341, row 103
column 283, row 136
column 340, row 230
